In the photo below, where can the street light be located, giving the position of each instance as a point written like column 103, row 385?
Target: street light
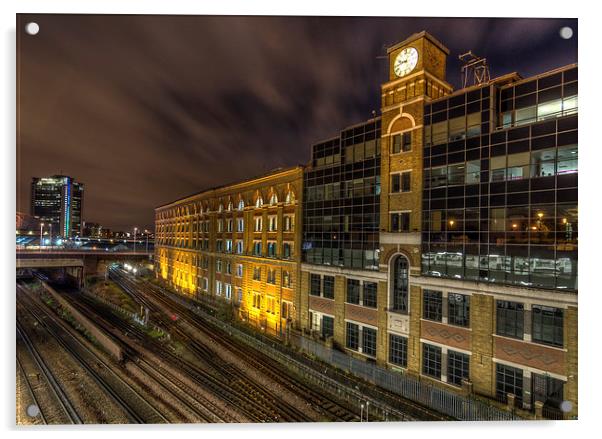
column 135, row 230
column 146, row 231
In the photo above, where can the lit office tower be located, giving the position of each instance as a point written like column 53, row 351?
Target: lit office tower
column 58, row 200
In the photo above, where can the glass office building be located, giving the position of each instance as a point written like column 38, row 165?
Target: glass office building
column 58, row 200
column 342, row 199
column 500, row 182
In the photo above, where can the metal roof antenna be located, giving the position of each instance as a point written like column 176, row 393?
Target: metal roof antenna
column 475, row 69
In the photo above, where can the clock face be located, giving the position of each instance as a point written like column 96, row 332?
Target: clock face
column 405, row 61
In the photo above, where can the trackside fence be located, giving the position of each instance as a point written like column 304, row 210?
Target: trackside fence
column 457, row 406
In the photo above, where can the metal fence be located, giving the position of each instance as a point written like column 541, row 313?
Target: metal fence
column 457, row 406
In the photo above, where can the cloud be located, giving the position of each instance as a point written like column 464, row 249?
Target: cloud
column 145, row 109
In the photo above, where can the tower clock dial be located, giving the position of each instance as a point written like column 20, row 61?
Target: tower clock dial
column 405, row 61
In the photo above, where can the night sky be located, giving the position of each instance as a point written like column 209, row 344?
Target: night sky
column 146, row 109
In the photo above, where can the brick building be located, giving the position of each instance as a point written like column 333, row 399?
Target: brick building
column 438, row 239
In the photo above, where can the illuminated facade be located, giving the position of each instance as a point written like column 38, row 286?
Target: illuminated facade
column 239, row 243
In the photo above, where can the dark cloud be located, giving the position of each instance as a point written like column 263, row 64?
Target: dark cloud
column 145, row 109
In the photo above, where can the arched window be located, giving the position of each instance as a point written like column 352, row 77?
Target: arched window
column 259, row 202
column 273, row 199
column 230, row 206
column 400, row 284
column 290, row 197
column 241, row 205
column 220, row 208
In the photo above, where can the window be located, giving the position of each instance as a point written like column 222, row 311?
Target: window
column 473, row 124
column 435, row 177
column 398, row 350
column 327, row 326
column 431, row 361
column 219, row 246
column 352, row 336
column 271, row 276
column 543, row 163
column 369, row 298
column 353, row 291
column 548, row 390
column 218, row 288
column 548, row 325
column 228, row 291
column 457, row 367
column 314, row 284
column 259, row 202
column 218, row 266
column 271, row 249
column 525, row 116
column 401, row 182
column 258, row 224
column 400, row 287
column 239, row 247
column 220, row 225
column 549, row 109
column 369, row 341
column 498, row 168
column 287, row 250
column 270, row 305
column 518, row 166
column 509, row 319
column 287, row 310
column 473, row 172
column 229, row 223
column 240, row 225
column 396, row 144
column 256, row 273
column 228, row 267
column 328, row 287
column 272, row 223
column 290, row 197
column 406, row 142
column 286, row 279
column 257, row 300
column 400, row 222
column 241, row 205
column 289, row 225
column 455, row 174
column 273, row 199
column 205, row 284
column 458, row 306
column 239, row 270
column 457, row 128
column 432, row 305
column 508, row 380
column 228, row 246
column 257, row 248
column 567, row 160
column 401, row 143
column 439, row 133
column 239, row 295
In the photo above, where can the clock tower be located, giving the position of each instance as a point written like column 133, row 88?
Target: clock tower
column 416, row 76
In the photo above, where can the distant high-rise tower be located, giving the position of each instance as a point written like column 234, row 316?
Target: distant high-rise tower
column 58, row 200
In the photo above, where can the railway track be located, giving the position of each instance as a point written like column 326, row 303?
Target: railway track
column 62, row 411
column 332, row 409
column 133, row 404
column 248, row 398
column 414, row 410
